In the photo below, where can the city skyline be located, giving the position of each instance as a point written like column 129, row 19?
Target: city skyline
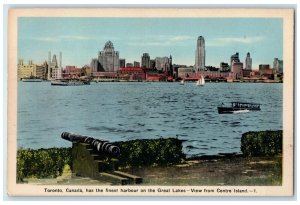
column 80, row 39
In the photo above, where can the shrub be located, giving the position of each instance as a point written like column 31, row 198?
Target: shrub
column 262, row 143
column 148, row 152
column 42, row 162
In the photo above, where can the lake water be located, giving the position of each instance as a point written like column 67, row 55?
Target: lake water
column 125, row 111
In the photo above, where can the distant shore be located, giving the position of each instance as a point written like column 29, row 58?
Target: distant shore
column 150, row 81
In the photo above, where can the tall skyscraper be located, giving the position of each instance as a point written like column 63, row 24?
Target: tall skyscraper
column 60, row 59
column 200, row 54
column 171, row 66
column 152, row 64
column 54, row 61
column 21, row 62
column 234, row 58
column 49, row 71
column 95, row 65
column 57, row 68
column 145, row 61
column 162, row 64
column 122, row 62
column 54, row 69
column 109, row 58
column 278, row 65
column 248, row 62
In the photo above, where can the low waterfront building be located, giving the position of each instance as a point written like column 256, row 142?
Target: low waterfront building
column 129, row 65
column 86, row 71
column 255, row 74
column 266, row 71
column 184, row 72
column 210, row 74
column 237, row 70
column 31, row 70
column 72, row 72
column 224, row 67
column 264, row 67
column 105, row 76
column 246, row 73
column 214, row 75
column 156, row 77
column 211, row 68
column 175, row 69
column 134, row 73
column 136, row 64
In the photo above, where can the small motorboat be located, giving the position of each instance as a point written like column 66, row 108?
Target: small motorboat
column 32, row 79
column 239, row 107
column 61, row 82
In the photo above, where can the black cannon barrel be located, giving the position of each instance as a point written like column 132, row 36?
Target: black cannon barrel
column 102, row 146
column 72, row 137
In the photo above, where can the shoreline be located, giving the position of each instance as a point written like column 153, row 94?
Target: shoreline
column 188, row 82
column 156, row 162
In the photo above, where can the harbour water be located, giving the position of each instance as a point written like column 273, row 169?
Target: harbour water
column 125, row 111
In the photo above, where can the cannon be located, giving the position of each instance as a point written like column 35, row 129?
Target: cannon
column 102, row 146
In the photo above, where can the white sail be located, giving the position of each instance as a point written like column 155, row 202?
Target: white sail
column 201, row 81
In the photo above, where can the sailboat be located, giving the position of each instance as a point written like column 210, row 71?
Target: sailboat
column 182, row 82
column 201, row 81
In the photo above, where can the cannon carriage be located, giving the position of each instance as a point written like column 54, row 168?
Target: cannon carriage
column 97, row 159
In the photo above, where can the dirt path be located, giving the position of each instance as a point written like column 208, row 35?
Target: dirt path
column 237, row 171
column 218, row 172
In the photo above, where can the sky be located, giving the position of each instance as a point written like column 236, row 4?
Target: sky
column 80, row 39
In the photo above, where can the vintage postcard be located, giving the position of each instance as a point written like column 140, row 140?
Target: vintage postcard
column 150, row 102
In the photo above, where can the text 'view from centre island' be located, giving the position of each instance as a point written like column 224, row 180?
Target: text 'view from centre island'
column 164, row 102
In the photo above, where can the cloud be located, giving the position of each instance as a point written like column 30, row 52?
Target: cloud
column 62, row 38
column 181, row 38
column 148, row 40
column 224, row 41
column 72, row 37
column 169, row 37
column 148, row 43
column 47, row 39
column 160, row 40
